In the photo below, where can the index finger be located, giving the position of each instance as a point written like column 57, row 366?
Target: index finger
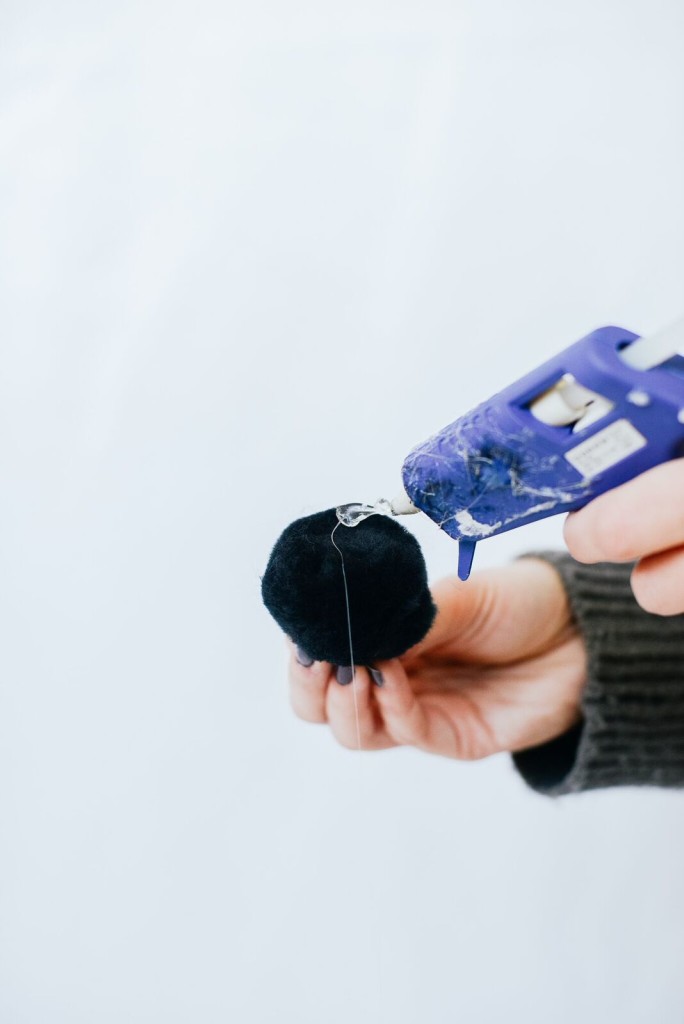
column 642, row 517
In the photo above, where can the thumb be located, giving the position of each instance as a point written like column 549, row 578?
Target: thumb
column 498, row 615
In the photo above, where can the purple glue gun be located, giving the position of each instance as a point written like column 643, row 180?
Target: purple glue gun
column 599, row 413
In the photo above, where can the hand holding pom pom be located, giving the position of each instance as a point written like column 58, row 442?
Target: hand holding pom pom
column 391, row 608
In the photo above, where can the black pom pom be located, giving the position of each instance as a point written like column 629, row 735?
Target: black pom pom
column 390, row 603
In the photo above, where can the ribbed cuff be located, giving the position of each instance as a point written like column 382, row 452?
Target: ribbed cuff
column 632, row 731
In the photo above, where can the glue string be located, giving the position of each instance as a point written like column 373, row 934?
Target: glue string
column 349, row 629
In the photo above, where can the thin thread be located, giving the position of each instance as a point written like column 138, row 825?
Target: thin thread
column 351, row 648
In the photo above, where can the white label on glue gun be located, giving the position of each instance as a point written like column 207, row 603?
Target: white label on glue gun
column 605, row 449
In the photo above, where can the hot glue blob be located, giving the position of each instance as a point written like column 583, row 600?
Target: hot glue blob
column 390, row 606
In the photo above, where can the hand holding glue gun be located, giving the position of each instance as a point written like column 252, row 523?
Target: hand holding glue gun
column 599, row 425
column 596, row 431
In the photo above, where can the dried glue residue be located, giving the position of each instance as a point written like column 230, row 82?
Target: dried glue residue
column 475, row 478
column 469, row 527
column 356, row 511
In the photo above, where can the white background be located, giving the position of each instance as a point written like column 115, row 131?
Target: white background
column 251, row 253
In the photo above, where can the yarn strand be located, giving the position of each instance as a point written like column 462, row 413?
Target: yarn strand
column 349, row 629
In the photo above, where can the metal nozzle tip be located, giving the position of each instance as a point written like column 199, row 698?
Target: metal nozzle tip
column 403, row 506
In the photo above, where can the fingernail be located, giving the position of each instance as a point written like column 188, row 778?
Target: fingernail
column 303, row 658
column 345, row 674
column 377, row 677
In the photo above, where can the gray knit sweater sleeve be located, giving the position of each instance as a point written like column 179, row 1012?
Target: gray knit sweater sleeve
column 632, row 729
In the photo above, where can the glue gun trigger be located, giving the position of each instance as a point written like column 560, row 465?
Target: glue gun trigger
column 466, row 554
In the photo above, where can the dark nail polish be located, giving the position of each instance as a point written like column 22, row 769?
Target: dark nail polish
column 303, row 658
column 377, row 677
column 345, row 674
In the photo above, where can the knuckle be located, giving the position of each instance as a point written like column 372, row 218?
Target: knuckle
column 647, row 597
column 406, row 731
column 602, row 532
column 574, row 533
column 618, row 544
column 614, row 538
column 348, row 742
column 306, row 711
column 653, row 594
column 312, row 717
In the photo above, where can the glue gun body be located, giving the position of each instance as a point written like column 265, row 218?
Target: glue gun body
column 582, row 423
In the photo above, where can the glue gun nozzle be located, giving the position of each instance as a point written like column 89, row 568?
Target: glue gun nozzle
column 355, row 512
column 403, row 506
